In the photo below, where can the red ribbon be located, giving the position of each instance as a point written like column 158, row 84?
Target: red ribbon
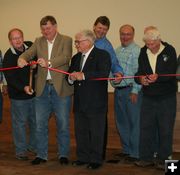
column 17, row 67
column 67, row 73
column 129, row 77
column 57, row 70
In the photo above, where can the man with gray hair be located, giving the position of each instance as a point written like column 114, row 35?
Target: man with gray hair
column 158, row 110
column 90, row 98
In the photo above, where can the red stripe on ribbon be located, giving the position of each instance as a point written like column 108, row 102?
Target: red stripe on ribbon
column 67, row 73
column 57, row 70
column 17, row 67
column 124, row 77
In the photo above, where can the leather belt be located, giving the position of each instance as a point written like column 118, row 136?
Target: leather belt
column 49, row 82
column 123, row 87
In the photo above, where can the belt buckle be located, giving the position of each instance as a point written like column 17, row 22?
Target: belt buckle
column 124, row 87
column 49, row 81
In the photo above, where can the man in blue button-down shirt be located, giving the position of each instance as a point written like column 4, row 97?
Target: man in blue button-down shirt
column 101, row 27
column 127, row 96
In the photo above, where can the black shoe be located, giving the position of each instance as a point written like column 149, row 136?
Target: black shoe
column 160, row 165
column 38, row 160
column 113, row 161
column 121, row 155
column 142, row 163
column 130, row 160
column 78, row 163
column 63, row 161
column 94, row 166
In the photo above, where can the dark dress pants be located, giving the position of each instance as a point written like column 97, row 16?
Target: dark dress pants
column 157, row 114
column 89, row 131
column 1, row 107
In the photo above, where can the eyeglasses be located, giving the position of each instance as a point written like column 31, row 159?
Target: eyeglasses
column 126, row 34
column 79, row 41
column 16, row 38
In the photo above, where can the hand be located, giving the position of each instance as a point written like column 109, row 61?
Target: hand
column 133, row 97
column 80, row 76
column 22, row 62
column 28, row 90
column 72, row 76
column 42, row 62
column 152, row 78
column 4, row 90
column 33, row 66
column 144, row 80
column 77, row 76
column 118, row 77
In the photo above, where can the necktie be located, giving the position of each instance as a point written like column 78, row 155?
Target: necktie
column 81, row 61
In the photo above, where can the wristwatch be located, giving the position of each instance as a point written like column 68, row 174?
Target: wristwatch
column 49, row 64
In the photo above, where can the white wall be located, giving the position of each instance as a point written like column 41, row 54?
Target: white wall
column 74, row 15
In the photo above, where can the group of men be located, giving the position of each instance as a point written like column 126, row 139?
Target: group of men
column 141, row 112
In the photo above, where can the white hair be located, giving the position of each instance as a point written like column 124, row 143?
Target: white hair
column 89, row 34
column 151, row 33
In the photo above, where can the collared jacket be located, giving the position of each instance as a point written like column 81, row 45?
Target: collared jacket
column 166, row 64
column 16, row 79
column 60, row 58
column 91, row 96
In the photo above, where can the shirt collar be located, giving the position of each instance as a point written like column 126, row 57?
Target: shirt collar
column 13, row 50
column 159, row 51
column 52, row 42
column 88, row 52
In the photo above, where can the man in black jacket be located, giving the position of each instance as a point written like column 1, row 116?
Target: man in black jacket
column 158, row 110
column 90, row 98
column 21, row 96
column 3, row 88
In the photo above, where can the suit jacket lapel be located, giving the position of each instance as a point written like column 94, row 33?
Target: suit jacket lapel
column 45, row 48
column 56, row 44
column 90, row 57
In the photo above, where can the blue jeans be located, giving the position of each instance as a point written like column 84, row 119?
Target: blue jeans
column 1, row 107
column 127, row 117
column 23, row 115
column 47, row 103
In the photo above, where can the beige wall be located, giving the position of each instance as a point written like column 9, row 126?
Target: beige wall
column 74, row 15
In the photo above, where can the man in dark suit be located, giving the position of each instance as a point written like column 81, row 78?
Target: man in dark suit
column 90, row 98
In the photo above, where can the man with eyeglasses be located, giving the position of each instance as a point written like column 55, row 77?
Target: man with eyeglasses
column 22, row 103
column 90, row 98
